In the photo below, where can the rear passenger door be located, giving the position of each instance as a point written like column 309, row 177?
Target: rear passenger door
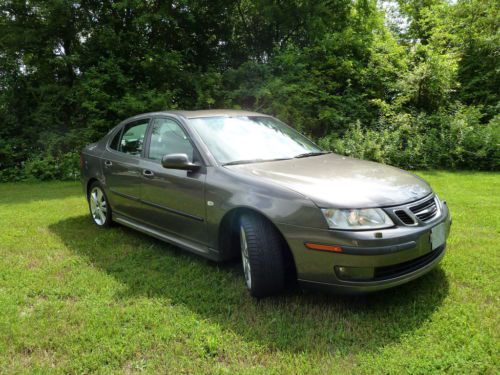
column 174, row 198
column 122, row 170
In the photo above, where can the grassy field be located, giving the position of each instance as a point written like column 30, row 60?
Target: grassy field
column 75, row 298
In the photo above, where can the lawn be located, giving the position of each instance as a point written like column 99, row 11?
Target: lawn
column 75, row 298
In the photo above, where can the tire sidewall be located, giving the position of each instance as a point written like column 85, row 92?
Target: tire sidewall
column 265, row 254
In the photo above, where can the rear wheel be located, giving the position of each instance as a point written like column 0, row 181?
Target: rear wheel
column 100, row 211
column 262, row 256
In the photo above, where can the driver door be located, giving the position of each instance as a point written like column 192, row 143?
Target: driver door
column 174, row 200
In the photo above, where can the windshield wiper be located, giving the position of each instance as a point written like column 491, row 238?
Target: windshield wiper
column 307, row 154
column 249, row 161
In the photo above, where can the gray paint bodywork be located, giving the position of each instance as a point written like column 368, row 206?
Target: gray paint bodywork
column 187, row 208
column 337, row 181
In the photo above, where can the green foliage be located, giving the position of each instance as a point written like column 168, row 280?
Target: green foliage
column 69, row 71
column 469, row 30
column 456, row 139
column 45, row 167
column 64, row 167
column 430, row 80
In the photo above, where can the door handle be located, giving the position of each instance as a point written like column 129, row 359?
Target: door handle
column 147, row 173
column 107, row 163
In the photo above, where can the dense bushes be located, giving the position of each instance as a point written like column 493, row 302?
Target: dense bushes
column 45, row 167
column 417, row 89
column 445, row 140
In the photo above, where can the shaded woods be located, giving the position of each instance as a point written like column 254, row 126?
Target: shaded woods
column 413, row 83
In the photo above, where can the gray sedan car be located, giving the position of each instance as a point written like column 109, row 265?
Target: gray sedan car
column 227, row 184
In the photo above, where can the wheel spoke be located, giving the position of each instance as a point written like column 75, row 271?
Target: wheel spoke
column 245, row 258
column 93, row 206
column 102, row 216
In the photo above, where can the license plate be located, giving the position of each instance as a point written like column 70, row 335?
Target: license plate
column 438, row 236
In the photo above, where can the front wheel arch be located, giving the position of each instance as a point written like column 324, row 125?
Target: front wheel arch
column 228, row 239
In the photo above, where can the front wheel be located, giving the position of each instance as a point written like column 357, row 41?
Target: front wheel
column 262, row 256
column 100, row 211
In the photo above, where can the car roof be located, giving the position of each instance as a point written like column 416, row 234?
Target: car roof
column 208, row 113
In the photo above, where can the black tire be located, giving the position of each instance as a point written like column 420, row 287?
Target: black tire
column 265, row 256
column 102, row 217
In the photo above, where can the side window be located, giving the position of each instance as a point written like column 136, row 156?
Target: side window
column 167, row 137
column 132, row 140
column 116, row 140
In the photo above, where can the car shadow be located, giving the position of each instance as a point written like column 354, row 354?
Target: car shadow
column 297, row 321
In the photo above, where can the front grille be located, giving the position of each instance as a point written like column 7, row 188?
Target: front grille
column 388, row 272
column 404, row 217
column 426, row 210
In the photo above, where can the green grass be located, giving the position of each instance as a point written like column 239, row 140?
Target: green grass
column 75, row 298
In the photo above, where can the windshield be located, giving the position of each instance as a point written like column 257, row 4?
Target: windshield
column 235, row 140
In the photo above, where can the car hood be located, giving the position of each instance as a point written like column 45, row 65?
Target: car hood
column 333, row 180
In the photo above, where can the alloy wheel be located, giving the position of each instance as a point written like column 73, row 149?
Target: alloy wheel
column 98, row 206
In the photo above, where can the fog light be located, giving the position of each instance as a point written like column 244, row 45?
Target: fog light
column 354, row 273
column 342, row 270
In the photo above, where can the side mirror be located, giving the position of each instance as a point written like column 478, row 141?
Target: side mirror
column 178, row 161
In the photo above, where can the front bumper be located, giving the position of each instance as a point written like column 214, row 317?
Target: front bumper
column 373, row 260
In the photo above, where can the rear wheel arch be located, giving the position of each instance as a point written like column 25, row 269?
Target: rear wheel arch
column 90, row 182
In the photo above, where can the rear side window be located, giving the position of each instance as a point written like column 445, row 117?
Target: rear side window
column 168, row 137
column 132, row 138
column 115, row 142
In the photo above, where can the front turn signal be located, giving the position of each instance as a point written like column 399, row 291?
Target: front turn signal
column 320, row 247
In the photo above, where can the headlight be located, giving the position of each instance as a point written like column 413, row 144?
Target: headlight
column 369, row 218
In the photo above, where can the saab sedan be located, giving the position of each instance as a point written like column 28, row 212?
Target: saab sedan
column 230, row 184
